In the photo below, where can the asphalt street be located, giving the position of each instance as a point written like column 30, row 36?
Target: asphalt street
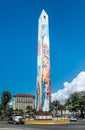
column 79, row 125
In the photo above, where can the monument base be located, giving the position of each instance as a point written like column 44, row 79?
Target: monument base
column 40, row 115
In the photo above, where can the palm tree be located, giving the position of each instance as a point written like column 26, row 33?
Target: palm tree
column 55, row 107
column 29, row 109
column 6, row 96
column 62, row 108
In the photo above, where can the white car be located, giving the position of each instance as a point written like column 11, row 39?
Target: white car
column 73, row 119
column 17, row 119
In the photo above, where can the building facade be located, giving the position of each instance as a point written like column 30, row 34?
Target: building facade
column 21, row 101
column 43, row 100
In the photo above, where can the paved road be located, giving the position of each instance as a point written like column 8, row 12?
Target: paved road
column 79, row 125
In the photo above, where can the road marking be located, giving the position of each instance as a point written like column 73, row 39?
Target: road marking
column 10, row 129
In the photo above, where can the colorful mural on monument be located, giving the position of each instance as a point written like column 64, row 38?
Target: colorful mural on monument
column 43, row 65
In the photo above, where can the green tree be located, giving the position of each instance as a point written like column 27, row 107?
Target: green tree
column 9, row 111
column 56, row 103
column 70, row 102
column 1, row 114
column 80, row 105
column 6, row 96
column 29, row 109
column 18, row 111
column 55, row 107
column 0, row 110
column 76, row 102
column 34, row 111
column 62, row 108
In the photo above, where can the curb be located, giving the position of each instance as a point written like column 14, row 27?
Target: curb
column 44, row 122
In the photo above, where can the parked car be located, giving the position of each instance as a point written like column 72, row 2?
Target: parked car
column 16, row 119
column 73, row 119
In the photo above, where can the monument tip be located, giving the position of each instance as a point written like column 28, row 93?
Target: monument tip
column 43, row 14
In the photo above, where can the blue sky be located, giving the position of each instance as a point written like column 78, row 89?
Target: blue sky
column 19, row 42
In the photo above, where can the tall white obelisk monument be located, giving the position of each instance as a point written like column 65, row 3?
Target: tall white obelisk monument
column 43, row 65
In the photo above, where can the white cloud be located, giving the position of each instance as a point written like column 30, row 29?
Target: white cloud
column 77, row 84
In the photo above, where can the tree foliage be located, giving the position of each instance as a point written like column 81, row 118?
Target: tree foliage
column 29, row 109
column 76, row 102
column 6, row 96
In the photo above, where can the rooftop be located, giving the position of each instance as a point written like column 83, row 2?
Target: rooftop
column 24, row 95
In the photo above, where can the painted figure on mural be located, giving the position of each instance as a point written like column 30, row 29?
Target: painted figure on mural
column 43, row 93
column 46, row 99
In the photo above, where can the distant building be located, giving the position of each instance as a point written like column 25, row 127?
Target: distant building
column 10, row 104
column 21, row 101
